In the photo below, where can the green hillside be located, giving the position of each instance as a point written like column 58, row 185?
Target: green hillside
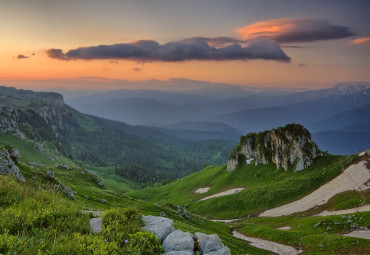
column 265, row 187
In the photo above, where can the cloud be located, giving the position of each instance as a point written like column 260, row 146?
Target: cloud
column 295, row 30
column 361, row 40
column 20, row 56
column 199, row 48
column 302, row 64
column 136, row 69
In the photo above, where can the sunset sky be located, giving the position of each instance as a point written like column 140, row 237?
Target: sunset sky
column 272, row 43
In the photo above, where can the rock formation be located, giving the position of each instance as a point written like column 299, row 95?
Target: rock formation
column 7, row 165
column 289, row 147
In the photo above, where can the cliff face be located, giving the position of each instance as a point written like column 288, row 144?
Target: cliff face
column 289, row 147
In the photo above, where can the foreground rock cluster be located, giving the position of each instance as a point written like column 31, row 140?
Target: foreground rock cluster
column 177, row 242
column 289, row 147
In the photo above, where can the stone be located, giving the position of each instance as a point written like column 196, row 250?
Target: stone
column 40, row 147
column 178, row 241
column 69, row 192
column 96, row 225
column 160, row 226
column 50, row 174
column 8, row 167
column 289, row 147
column 223, row 251
column 179, row 253
column 14, row 154
column 103, row 201
column 208, row 243
column 101, row 184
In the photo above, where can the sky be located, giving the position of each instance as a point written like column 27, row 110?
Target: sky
column 266, row 43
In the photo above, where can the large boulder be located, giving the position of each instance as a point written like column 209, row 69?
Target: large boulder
column 179, row 241
column 289, row 147
column 223, row 251
column 160, row 226
column 179, row 253
column 209, row 243
column 7, row 165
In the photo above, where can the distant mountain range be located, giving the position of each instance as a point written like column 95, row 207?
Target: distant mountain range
column 194, row 114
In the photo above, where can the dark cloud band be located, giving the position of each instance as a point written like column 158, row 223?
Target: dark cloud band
column 295, row 30
column 200, row 48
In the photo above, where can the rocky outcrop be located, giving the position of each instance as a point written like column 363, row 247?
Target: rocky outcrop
column 289, row 147
column 8, row 124
column 7, row 165
column 177, row 242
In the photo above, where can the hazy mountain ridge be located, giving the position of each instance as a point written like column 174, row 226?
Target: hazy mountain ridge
column 103, row 142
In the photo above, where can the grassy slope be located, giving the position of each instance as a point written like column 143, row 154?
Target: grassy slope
column 54, row 209
column 266, row 187
column 315, row 235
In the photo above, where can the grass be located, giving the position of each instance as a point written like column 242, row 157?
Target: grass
column 315, row 235
column 265, row 187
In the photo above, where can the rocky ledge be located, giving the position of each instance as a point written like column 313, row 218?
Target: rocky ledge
column 289, row 147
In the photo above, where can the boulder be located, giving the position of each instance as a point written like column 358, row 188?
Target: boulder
column 103, row 201
column 50, row 174
column 14, row 154
column 69, row 192
column 160, row 226
column 223, row 251
column 178, row 253
column 179, row 241
column 8, row 167
column 208, row 243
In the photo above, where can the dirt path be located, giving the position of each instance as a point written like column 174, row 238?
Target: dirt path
column 268, row 245
column 202, row 190
column 359, row 233
column 365, row 208
column 354, row 177
column 224, row 193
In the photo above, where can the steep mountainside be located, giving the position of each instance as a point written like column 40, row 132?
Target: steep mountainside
column 43, row 117
column 289, row 147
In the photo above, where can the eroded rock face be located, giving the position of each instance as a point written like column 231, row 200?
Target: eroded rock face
column 289, row 147
column 7, row 165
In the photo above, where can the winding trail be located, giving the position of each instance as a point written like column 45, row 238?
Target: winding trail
column 268, row 245
column 354, row 177
column 365, row 208
column 360, row 234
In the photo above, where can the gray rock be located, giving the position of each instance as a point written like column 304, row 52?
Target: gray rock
column 178, row 241
column 63, row 166
column 96, row 225
column 40, row 147
column 14, row 154
column 50, row 174
column 223, row 251
column 8, row 167
column 87, row 197
column 69, row 192
column 160, row 226
column 208, row 243
column 101, row 184
column 179, row 253
column 103, row 201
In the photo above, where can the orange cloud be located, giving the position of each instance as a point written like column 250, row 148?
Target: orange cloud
column 361, row 40
column 294, row 30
